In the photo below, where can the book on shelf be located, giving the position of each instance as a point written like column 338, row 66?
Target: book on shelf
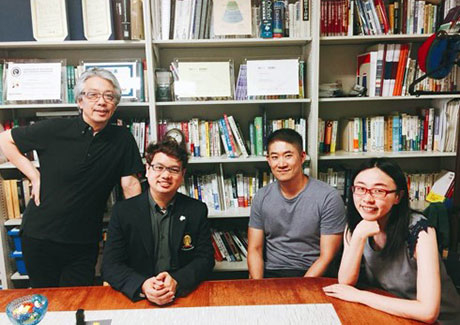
column 221, row 193
column 207, row 19
column 388, row 70
column 229, row 245
column 433, row 129
column 379, row 17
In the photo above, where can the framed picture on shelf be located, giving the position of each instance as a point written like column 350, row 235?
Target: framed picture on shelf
column 232, row 17
column 97, row 19
column 49, row 20
column 203, row 80
column 34, row 81
column 129, row 75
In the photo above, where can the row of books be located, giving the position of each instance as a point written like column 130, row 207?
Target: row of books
column 231, row 245
column 14, row 196
column 140, row 129
column 431, row 130
column 388, row 70
column 133, row 84
column 241, row 88
column 206, row 19
column 379, row 17
column 423, row 188
column 213, row 138
column 125, row 21
column 221, row 193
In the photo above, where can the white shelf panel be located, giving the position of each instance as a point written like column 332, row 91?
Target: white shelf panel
column 402, row 154
column 66, row 106
column 235, row 42
column 360, row 39
column 18, row 221
column 225, row 159
column 13, row 222
column 370, row 99
column 230, row 213
column 80, row 45
column 233, row 102
column 231, row 266
column 17, row 276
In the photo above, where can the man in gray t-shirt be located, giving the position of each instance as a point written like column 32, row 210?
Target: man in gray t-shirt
column 296, row 223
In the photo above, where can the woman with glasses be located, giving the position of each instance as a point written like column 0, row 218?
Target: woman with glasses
column 397, row 248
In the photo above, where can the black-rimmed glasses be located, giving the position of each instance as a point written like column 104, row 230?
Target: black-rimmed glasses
column 159, row 168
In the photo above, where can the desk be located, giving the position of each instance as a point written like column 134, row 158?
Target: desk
column 215, row 293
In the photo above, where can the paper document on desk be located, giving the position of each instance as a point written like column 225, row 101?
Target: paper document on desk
column 222, row 315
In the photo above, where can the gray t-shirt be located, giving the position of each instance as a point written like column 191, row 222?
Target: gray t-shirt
column 399, row 275
column 293, row 227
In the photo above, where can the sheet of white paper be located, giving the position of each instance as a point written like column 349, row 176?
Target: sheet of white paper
column 49, row 20
column 33, row 81
column 232, row 17
column 97, row 19
column 273, row 77
column 203, row 79
column 226, row 315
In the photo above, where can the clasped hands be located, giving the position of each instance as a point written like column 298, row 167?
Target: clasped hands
column 160, row 289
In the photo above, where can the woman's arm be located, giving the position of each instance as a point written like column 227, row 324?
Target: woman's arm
column 425, row 307
column 353, row 250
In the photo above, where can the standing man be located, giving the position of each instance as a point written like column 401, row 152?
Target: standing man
column 159, row 243
column 296, row 223
column 81, row 160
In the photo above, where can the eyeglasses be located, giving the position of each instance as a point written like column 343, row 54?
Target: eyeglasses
column 159, row 168
column 377, row 193
column 93, row 96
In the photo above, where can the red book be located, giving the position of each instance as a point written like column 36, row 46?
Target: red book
column 217, row 254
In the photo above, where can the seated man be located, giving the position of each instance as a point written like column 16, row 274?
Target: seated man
column 159, row 243
column 296, row 223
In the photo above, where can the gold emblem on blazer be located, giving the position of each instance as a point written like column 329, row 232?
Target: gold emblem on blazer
column 187, row 241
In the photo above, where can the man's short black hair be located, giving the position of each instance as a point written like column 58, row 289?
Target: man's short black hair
column 169, row 147
column 286, row 135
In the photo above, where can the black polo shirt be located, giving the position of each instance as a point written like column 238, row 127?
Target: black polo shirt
column 78, row 172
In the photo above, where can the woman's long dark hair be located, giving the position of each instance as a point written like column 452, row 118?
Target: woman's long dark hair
column 397, row 226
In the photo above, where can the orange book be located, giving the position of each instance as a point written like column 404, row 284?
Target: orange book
column 401, row 67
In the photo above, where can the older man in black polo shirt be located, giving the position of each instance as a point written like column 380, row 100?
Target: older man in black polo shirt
column 81, row 159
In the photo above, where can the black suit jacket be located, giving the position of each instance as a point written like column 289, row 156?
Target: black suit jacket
column 128, row 254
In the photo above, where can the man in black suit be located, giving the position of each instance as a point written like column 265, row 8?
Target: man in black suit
column 159, row 243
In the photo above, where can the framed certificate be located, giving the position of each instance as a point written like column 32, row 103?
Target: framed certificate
column 203, row 80
column 273, row 77
column 49, row 20
column 128, row 73
column 97, row 19
column 34, row 81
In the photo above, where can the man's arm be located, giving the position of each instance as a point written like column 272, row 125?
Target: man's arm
column 114, row 263
column 131, row 186
column 329, row 246
column 256, row 239
column 13, row 154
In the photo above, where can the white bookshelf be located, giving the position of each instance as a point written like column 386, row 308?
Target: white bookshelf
column 327, row 59
column 226, row 266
